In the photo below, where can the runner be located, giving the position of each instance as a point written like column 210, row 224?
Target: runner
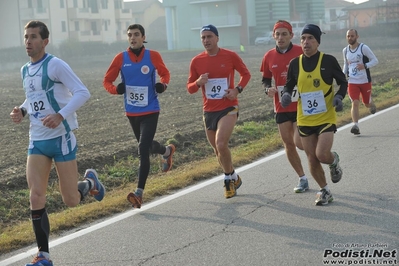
column 358, row 59
column 138, row 67
column 274, row 65
column 212, row 71
column 314, row 73
column 53, row 95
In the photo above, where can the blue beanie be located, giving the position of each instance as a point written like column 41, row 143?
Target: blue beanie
column 210, row 27
column 313, row 30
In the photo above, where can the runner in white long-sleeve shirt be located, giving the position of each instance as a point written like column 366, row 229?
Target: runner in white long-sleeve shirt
column 53, row 95
column 358, row 59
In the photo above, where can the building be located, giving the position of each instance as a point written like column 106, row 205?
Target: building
column 150, row 14
column 174, row 24
column 267, row 12
column 184, row 20
column 238, row 21
column 80, row 20
column 373, row 12
column 336, row 17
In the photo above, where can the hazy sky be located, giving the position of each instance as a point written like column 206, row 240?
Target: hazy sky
column 137, row 0
column 357, row 1
column 354, row 1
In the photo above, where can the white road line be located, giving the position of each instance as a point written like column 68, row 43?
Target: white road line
column 61, row 240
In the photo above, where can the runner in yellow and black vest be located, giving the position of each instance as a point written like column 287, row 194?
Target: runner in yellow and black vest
column 313, row 73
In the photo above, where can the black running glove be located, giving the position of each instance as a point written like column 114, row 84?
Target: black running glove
column 337, row 102
column 286, row 99
column 160, row 87
column 121, row 88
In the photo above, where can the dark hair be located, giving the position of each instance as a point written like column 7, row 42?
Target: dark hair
column 43, row 30
column 137, row 26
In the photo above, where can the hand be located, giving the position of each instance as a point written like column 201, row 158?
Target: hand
column 286, row 99
column 361, row 66
column 160, row 87
column 52, row 120
column 231, row 94
column 337, row 102
column 271, row 91
column 16, row 115
column 121, row 88
column 202, row 80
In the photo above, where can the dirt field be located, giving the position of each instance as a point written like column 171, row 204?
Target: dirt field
column 105, row 135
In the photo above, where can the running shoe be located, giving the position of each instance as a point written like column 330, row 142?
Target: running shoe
column 323, row 197
column 135, row 200
column 98, row 190
column 355, row 130
column 335, row 170
column 167, row 161
column 40, row 260
column 302, row 186
column 238, row 182
column 229, row 188
column 372, row 108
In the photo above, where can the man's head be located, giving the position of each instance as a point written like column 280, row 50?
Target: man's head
column 36, row 39
column 282, row 33
column 43, row 30
column 314, row 30
column 136, row 36
column 310, row 39
column 352, row 36
column 211, row 28
column 210, row 38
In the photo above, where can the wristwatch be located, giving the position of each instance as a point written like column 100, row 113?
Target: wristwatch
column 239, row 88
column 23, row 111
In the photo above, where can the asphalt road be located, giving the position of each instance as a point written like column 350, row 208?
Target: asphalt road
column 266, row 223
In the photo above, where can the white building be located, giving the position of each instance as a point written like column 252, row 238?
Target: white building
column 81, row 20
column 336, row 18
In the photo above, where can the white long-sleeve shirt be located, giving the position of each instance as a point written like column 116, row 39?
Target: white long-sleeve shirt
column 362, row 54
column 52, row 87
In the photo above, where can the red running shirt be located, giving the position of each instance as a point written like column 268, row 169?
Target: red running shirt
column 220, row 66
column 275, row 65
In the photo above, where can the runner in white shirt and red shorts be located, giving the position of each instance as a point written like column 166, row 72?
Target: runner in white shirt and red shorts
column 358, row 59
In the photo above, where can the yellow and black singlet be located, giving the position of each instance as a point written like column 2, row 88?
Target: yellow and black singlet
column 315, row 106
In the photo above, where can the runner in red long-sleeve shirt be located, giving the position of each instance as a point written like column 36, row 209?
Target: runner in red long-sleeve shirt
column 212, row 71
column 138, row 68
column 275, row 65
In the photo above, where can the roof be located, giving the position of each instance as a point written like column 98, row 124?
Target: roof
column 337, row 3
column 141, row 6
column 371, row 4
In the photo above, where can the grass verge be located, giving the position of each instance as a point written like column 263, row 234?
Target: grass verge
column 251, row 140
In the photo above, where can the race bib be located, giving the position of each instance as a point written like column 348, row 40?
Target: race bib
column 137, row 95
column 38, row 104
column 215, row 88
column 294, row 95
column 313, row 103
column 354, row 71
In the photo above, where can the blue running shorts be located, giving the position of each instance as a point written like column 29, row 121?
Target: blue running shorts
column 61, row 149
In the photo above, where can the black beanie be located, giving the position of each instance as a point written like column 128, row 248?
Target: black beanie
column 313, row 30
